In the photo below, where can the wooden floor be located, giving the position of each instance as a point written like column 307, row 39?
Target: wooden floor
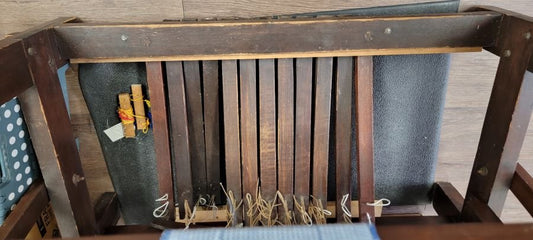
column 471, row 75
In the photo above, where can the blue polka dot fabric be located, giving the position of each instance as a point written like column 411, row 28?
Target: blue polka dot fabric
column 17, row 158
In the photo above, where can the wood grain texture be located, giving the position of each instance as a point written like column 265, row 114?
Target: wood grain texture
column 195, row 118
column 36, row 12
column 15, row 75
column 322, row 123
column 255, row 8
column 181, row 150
column 343, row 126
column 267, row 128
column 138, row 106
column 248, row 117
column 276, row 38
column 125, row 104
column 53, row 140
column 212, row 126
column 364, row 120
column 230, row 93
column 509, row 109
column 28, row 209
column 522, row 187
column 302, row 128
column 156, row 92
column 285, row 119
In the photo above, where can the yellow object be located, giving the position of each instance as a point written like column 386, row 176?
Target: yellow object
column 45, row 227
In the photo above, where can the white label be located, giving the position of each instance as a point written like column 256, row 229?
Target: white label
column 115, row 133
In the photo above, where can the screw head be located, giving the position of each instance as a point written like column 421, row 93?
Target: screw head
column 484, row 171
column 124, row 37
column 507, row 53
column 368, row 36
column 32, row 52
column 527, row 35
column 387, row 31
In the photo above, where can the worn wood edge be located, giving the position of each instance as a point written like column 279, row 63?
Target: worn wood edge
column 243, row 56
column 300, row 21
column 106, row 211
column 26, row 212
column 522, row 188
column 11, row 38
column 205, row 214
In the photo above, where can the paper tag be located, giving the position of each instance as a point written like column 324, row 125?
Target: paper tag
column 115, row 133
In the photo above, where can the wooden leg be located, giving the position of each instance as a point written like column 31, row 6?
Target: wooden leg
column 506, row 121
column 447, row 201
column 53, row 140
column 365, row 138
column 522, row 187
column 106, row 211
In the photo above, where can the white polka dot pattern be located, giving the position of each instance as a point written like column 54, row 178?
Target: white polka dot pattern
column 17, row 158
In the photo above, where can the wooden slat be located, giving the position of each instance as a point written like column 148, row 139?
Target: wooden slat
column 19, row 222
column 248, row 117
column 447, row 201
column 522, row 188
column 267, row 128
column 212, row 127
column 506, row 121
column 456, row 231
column 364, row 119
column 321, row 137
column 195, row 117
column 53, row 140
column 285, row 127
column 303, row 136
column 230, row 93
column 343, row 130
column 181, row 152
column 15, row 76
column 156, row 91
column 278, row 38
column 106, row 211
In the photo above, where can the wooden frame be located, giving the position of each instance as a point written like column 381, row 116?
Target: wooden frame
column 29, row 61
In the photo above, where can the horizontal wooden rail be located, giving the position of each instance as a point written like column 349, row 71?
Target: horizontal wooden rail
column 27, row 211
column 259, row 39
column 522, row 188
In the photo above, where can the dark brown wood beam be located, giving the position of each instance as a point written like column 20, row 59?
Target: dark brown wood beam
column 278, row 38
column 106, row 211
column 506, row 120
column 364, row 120
column 15, row 76
column 53, row 139
column 156, row 92
column 19, row 222
column 522, row 187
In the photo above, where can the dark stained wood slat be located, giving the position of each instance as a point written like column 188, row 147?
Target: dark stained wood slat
column 248, row 97
column 364, row 119
column 447, row 201
column 106, row 211
column 267, row 128
column 285, row 118
column 506, row 121
column 15, row 76
column 274, row 38
column 181, row 155
column 343, row 124
column 19, row 222
column 212, row 127
column 322, row 122
column 522, row 188
column 53, row 140
column 456, row 231
column 303, row 136
column 195, row 117
column 230, row 93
